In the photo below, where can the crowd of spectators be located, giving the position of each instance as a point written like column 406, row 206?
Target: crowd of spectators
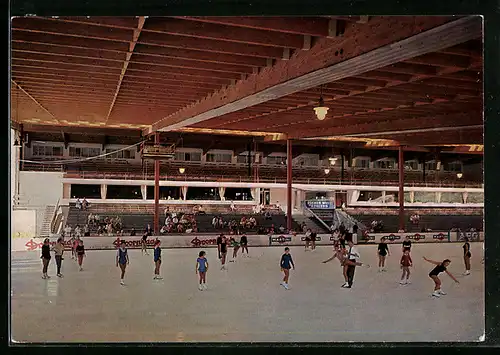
column 178, row 223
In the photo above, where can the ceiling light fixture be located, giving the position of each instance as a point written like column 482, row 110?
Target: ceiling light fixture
column 182, row 170
column 459, row 175
column 327, row 171
column 321, row 110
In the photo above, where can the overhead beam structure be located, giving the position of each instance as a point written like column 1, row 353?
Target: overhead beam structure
column 362, row 51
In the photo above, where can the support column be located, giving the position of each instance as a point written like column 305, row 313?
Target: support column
column 289, row 184
column 104, row 191
column 157, row 190
column 144, row 192
column 401, row 189
column 423, row 169
column 342, row 168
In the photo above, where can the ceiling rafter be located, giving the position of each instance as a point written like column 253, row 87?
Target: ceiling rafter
column 436, row 38
column 35, row 100
column 339, row 98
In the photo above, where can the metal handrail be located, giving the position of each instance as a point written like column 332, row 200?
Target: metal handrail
column 307, row 211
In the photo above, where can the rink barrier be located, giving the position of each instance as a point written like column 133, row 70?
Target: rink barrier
column 396, row 238
column 210, row 241
column 473, row 236
column 169, row 241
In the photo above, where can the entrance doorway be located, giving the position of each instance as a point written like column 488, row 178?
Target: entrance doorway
column 340, row 198
column 265, row 197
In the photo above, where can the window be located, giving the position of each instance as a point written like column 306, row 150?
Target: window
column 188, row 156
column 384, row 164
column 219, row 157
column 362, row 163
column 47, row 150
column 453, row 166
column 308, row 161
column 243, row 159
column 124, row 154
column 84, row 152
column 276, row 160
column 431, row 165
column 411, row 165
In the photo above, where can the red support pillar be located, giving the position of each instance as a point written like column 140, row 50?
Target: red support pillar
column 289, row 184
column 157, row 190
column 401, row 189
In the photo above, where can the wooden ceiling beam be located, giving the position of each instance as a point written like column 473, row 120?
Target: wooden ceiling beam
column 378, row 127
column 316, row 26
column 18, row 87
column 213, row 46
column 268, row 85
column 221, row 32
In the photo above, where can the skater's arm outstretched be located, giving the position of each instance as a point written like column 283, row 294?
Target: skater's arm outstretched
column 452, row 277
column 432, row 261
column 333, row 257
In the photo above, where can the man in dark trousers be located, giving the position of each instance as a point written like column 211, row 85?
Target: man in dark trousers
column 219, row 242
column 353, row 256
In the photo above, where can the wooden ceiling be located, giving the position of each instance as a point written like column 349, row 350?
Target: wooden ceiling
column 383, row 77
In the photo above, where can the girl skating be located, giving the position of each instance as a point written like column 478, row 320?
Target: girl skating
column 45, row 258
column 58, row 251
column 157, row 260
column 406, row 263
column 80, row 253
column 122, row 260
column 236, row 247
column 286, row 263
column 223, row 252
column 144, row 245
column 467, row 255
column 201, row 269
column 244, row 244
column 382, row 252
column 440, row 267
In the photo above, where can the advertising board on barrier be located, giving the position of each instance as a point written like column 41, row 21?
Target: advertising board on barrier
column 473, row 236
column 427, row 237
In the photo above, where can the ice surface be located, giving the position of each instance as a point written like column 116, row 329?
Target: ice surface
column 246, row 303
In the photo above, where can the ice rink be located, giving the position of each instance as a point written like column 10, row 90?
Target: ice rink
column 246, row 303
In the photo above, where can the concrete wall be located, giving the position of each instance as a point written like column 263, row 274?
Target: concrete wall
column 40, row 189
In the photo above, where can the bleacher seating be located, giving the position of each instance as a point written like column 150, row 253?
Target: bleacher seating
column 137, row 216
column 438, row 219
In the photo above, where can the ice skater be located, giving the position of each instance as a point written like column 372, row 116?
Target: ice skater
column 440, row 267
column 144, row 244
column 236, row 247
column 286, row 263
column 467, row 256
column 352, row 258
column 340, row 254
column 80, row 253
column 223, row 252
column 45, row 258
column 58, row 253
column 383, row 252
column 406, row 263
column 244, row 244
column 122, row 260
column 157, row 260
column 201, row 269
column 406, row 244
column 74, row 244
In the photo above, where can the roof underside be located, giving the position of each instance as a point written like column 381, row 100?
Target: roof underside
column 415, row 80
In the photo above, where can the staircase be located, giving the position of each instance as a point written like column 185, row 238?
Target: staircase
column 311, row 223
column 45, row 230
column 349, row 221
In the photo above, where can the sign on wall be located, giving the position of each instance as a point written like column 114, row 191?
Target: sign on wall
column 320, row 204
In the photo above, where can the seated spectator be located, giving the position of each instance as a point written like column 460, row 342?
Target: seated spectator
column 232, row 206
column 253, row 222
column 90, row 218
column 109, row 229
column 175, row 220
column 278, row 206
column 201, row 210
column 167, row 211
column 163, row 230
column 86, row 231
column 67, row 231
column 85, row 204
column 132, row 232
column 268, row 215
column 100, row 230
column 281, row 229
column 78, row 204
column 180, row 229
column 401, row 230
column 215, row 222
column 243, row 221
